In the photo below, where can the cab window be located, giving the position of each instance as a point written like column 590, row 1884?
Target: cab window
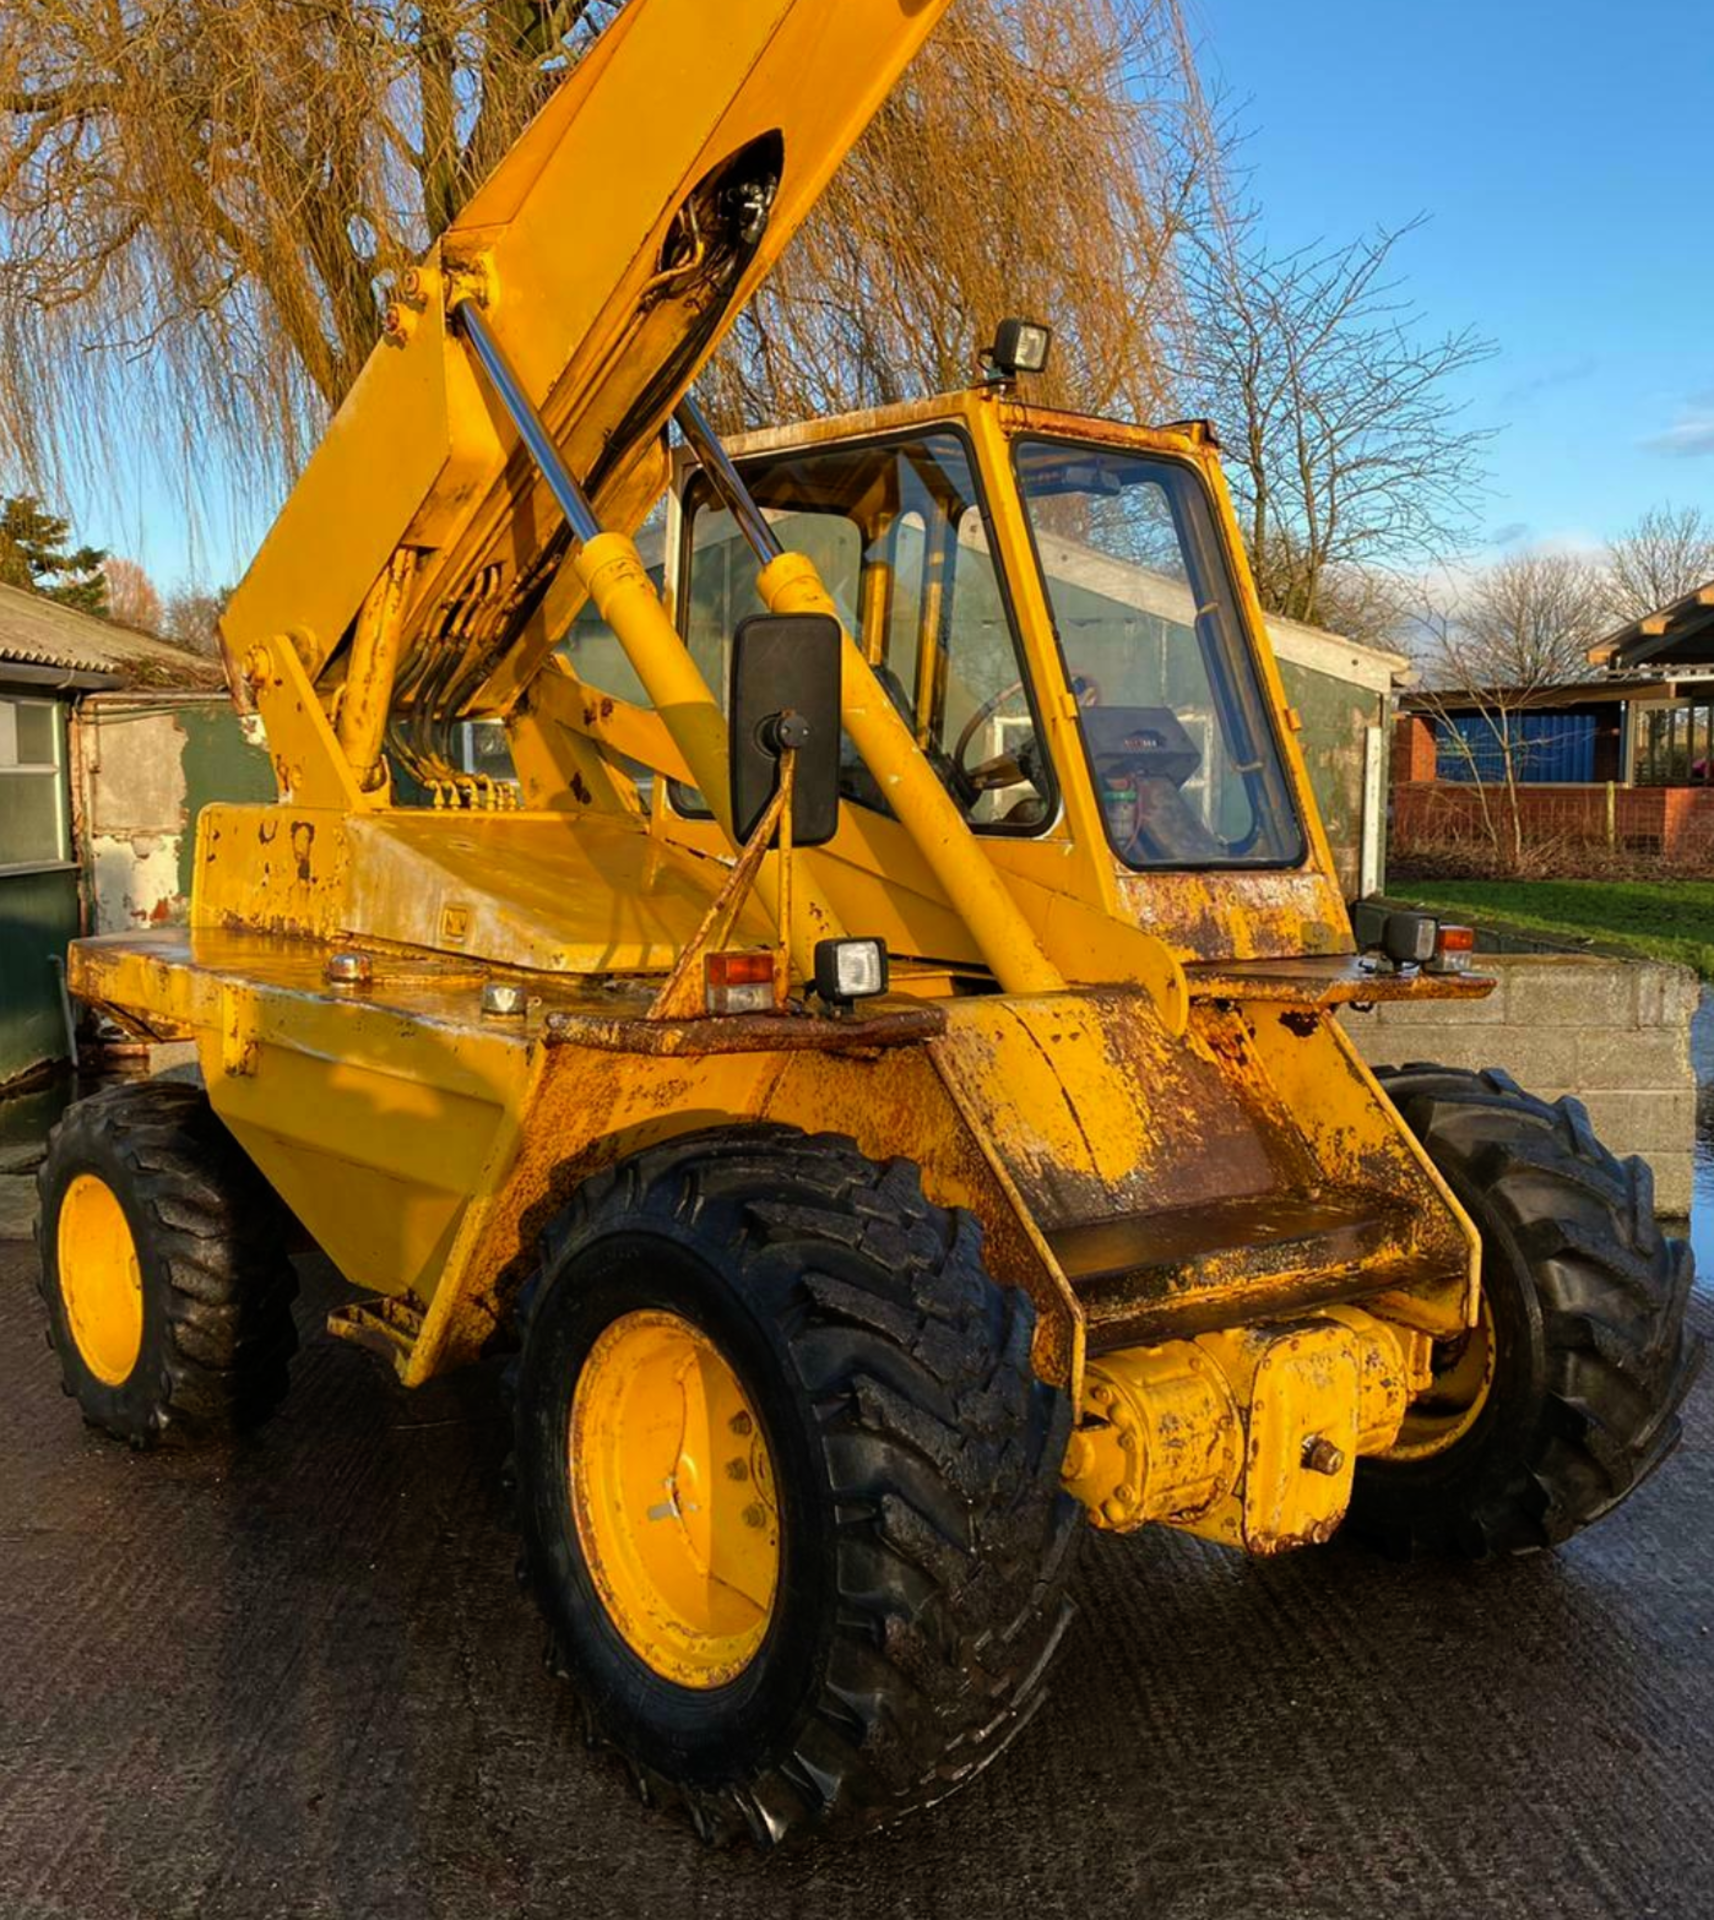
column 899, row 536
column 1170, row 704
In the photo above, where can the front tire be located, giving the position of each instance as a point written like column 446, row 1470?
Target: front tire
column 1565, row 1398
column 886, row 1548
column 163, row 1268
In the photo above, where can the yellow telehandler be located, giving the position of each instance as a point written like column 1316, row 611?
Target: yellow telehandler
column 822, row 951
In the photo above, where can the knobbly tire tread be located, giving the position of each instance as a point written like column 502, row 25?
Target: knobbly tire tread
column 954, row 1538
column 1568, row 1224
column 218, row 1283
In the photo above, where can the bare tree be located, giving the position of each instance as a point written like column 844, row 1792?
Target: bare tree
column 1372, row 604
column 1524, row 627
column 1347, row 446
column 192, row 617
column 132, row 599
column 1479, row 729
column 1666, row 554
column 1529, row 620
column 1476, row 728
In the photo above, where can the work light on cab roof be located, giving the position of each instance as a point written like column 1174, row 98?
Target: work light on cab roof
column 1020, row 346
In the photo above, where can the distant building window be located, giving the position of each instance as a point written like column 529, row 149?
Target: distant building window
column 1675, row 745
column 33, row 826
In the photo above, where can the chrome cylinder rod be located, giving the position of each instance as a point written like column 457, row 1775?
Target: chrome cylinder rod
column 580, row 517
column 727, row 481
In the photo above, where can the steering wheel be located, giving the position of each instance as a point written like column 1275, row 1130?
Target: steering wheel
column 978, row 720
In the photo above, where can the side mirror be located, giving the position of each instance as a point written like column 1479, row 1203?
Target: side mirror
column 786, row 668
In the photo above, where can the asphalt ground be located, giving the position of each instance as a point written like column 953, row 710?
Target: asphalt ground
column 298, row 1679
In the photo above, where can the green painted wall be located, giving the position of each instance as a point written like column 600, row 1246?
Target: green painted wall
column 38, row 915
column 219, row 764
column 39, row 912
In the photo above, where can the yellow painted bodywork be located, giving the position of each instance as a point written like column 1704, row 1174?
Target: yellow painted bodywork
column 1134, row 1081
column 100, row 1280
column 423, row 1143
column 564, row 244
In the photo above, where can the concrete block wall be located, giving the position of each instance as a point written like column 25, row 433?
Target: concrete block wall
column 1616, row 1033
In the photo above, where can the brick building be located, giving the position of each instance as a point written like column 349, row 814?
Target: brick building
column 1623, row 760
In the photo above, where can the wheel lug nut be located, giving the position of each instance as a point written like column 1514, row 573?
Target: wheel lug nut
column 740, row 1423
column 756, row 1515
column 737, row 1470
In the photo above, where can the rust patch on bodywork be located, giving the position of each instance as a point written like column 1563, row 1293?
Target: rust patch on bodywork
column 748, row 1032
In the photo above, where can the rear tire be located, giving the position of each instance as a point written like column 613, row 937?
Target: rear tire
column 923, row 1538
column 1588, row 1360
column 163, row 1268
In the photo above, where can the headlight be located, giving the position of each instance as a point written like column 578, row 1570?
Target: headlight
column 847, row 970
column 1020, row 346
column 741, row 982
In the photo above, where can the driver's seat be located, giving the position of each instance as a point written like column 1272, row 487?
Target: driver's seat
column 1168, row 831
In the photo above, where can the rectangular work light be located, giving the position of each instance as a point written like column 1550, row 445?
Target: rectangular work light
column 1411, row 940
column 847, row 970
column 1020, row 346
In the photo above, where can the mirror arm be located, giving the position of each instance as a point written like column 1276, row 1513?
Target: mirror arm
column 683, row 996
column 787, row 725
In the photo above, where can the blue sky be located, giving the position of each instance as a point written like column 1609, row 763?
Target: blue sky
column 1566, row 157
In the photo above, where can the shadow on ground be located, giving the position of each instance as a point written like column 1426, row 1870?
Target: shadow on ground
column 299, row 1680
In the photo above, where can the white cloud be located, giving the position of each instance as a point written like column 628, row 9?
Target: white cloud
column 1688, row 437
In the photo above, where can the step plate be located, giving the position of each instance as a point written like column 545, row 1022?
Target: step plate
column 1189, row 1270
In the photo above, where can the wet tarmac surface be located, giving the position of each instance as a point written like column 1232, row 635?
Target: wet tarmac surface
column 298, row 1679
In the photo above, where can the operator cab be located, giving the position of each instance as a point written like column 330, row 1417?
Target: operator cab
column 1175, row 734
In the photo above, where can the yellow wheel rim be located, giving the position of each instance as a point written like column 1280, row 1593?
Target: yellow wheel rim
column 673, row 1494
column 1445, row 1411
column 100, row 1280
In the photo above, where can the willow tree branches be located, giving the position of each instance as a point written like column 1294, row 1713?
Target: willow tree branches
column 201, row 203
column 200, row 199
column 1041, row 159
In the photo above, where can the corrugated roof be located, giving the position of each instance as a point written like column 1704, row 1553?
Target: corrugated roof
column 38, row 632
